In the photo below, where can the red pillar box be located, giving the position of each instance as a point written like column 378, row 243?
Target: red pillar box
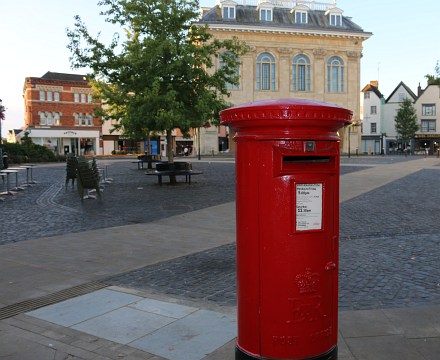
column 287, row 168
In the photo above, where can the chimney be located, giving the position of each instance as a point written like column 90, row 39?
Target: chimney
column 419, row 90
column 375, row 83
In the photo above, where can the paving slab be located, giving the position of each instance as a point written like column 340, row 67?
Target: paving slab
column 190, row 338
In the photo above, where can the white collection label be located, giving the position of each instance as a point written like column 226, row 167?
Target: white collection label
column 308, row 207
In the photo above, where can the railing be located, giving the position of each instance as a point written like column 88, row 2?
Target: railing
column 311, row 4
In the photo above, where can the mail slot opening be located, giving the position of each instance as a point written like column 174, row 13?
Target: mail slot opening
column 315, row 163
column 302, row 159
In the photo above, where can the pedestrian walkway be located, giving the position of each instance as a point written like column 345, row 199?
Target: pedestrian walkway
column 124, row 323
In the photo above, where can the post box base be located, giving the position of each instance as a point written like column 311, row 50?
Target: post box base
column 331, row 355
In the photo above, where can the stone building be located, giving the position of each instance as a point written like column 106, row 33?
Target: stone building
column 59, row 111
column 298, row 49
column 427, row 138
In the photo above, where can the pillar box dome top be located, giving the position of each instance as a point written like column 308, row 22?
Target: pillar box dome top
column 286, row 119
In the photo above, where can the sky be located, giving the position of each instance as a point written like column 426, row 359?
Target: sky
column 403, row 47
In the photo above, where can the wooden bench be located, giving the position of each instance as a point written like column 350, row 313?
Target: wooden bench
column 174, row 169
column 149, row 159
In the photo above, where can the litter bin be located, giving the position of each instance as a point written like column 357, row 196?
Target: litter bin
column 287, row 170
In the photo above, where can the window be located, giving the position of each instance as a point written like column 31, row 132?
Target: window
column 49, row 119
column 428, row 109
column 335, row 75
column 89, row 98
column 301, row 73
column 223, row 57
column 366, row 95
column 335, row 20
column 42, row 96
column 301, row 17
column 401, row 97
column 76, row 97
column 42, row 118
column 373, row 128
column 83, row 98
column 56, row 96
column 228, row 12
column 49, row 95
column 57, row 119
column 373, row 110
column 265, row 72
column 428, row 126
column 266, row 14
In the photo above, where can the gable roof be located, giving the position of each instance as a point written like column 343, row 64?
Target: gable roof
column 247, row 15
column 410, row 92
column 374, row 89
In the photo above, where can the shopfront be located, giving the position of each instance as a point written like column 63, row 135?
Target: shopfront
column 62, row 141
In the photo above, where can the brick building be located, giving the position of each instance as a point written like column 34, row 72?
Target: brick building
column 59, row 113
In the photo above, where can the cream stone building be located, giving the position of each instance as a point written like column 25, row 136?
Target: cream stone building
column 428, row 137
column 298, row 49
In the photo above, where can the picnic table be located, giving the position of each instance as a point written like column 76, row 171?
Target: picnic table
column 149, row 159
column 174, row 169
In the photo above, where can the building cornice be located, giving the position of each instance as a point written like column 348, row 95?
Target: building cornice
column 289, row 31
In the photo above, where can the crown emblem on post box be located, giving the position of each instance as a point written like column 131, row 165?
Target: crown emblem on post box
column 307, row 282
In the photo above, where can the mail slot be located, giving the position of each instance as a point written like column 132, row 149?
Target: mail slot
column 287, row 172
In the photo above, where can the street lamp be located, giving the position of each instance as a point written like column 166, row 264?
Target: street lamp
column 2, row 117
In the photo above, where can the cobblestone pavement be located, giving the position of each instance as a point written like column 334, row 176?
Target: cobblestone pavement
column 389, row 250
column 49, row 208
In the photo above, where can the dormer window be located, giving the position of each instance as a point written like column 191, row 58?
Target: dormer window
column 265, row 14
column 300, row 17
column 228, row 10
column 300, row 14
column 334, row 17
column 335, row 20
column 265, row 10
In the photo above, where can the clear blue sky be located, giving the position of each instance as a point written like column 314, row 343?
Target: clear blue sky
column 404, row 46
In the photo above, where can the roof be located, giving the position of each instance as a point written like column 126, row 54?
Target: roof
column 248, row 15
column 64, row 77
column 410, row 92
column 374, row 89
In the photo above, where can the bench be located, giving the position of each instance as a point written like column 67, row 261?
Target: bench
column 174, row 169
column 149, row 159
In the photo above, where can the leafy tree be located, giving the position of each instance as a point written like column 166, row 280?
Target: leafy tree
column 162, row 76
column 406, row 121
column 434, row 79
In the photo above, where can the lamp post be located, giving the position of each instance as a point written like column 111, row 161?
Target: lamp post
column 2, row 117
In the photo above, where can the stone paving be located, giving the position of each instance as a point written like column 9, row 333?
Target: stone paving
column 49, row 208
column 393, row 227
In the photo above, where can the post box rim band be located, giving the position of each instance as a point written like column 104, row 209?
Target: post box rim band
column 290, row 111
column 284, row 130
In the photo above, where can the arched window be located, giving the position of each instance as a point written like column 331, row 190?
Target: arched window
column 265, row 72
column 301, row 73
column 223, row 61
column 43, row 120
column 335, row 75
column 57, row 118
column 49, row 118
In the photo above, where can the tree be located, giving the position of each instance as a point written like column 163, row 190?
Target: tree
column 406, row 121
column 434, row 79
column 161, row 77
